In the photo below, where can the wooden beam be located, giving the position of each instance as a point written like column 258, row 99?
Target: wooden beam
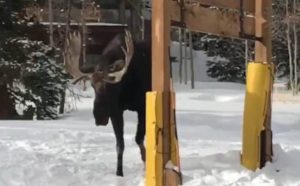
column 248, row 5
column 207, row 20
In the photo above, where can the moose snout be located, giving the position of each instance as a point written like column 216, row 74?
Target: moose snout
column 101, row 122
column 101, row 116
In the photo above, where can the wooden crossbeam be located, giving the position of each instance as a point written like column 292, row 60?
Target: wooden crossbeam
column 248, row 5
column 207, row 20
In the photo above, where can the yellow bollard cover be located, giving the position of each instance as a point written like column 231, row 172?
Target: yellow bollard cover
column 259, row 78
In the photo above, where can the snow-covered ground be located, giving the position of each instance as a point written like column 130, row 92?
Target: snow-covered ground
column 72, row 151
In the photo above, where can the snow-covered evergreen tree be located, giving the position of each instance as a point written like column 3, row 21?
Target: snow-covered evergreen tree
column 35, row 76
column 31, row 73
column 227, row 56
column 227, row 62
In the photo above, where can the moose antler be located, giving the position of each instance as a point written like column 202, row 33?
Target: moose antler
column 72, row 56
column 116, row 77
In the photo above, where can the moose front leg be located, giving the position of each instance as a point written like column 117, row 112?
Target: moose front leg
column 118, row 126
column 140, row 134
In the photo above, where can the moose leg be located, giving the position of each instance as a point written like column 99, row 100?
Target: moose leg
column 118, row 126
column 140, row 134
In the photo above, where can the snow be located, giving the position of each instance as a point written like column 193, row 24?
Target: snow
column 200, row 67
column 72, row 151
column 87, row 24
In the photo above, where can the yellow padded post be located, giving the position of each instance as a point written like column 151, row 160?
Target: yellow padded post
column 155, row 170
column 258, row 84
column 154, row 139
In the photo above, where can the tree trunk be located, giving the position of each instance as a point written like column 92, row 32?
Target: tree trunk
column 51, row 23
column 295, row 51
column 131, row 21
column 8, row 15
column 143, row 27
column 180, row 55
column 62, row 101
column 246, row 56
column 7, row 109
column 192, row 60
column 288, row 31
column 122, row 12
column 63, row 92
column 83, row 32
column 136, row 29
column 185, row 57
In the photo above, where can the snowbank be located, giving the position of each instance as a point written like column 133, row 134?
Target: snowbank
column 72, row 151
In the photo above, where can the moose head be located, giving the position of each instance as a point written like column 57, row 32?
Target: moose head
column 105, row 75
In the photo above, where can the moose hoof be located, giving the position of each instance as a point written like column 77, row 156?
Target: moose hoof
column 143, row 153
column 143, row 157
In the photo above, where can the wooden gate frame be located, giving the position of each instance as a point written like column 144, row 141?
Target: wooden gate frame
column 251, row 21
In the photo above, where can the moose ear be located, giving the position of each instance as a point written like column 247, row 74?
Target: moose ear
column 118, row 65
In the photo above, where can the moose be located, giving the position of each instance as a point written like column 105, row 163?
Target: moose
column 120, row 81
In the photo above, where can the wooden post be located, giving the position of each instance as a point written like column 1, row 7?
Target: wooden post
column 263, row 26
column 158, row 118
column 263, row 54
column 160, row 63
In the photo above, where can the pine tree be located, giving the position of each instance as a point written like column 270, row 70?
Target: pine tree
column 32, row 75
column 227, row 56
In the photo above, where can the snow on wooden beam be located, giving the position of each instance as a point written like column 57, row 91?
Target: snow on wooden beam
column 248, row 5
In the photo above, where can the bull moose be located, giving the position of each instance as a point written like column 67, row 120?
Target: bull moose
column 120, row 81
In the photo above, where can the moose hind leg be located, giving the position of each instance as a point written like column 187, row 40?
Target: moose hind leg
column 118, row 126
column 140, row 134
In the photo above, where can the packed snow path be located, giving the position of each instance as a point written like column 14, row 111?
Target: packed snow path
column 72, row 151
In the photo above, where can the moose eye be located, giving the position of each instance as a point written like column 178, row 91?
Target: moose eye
column 99, row 69
column 111, row 68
